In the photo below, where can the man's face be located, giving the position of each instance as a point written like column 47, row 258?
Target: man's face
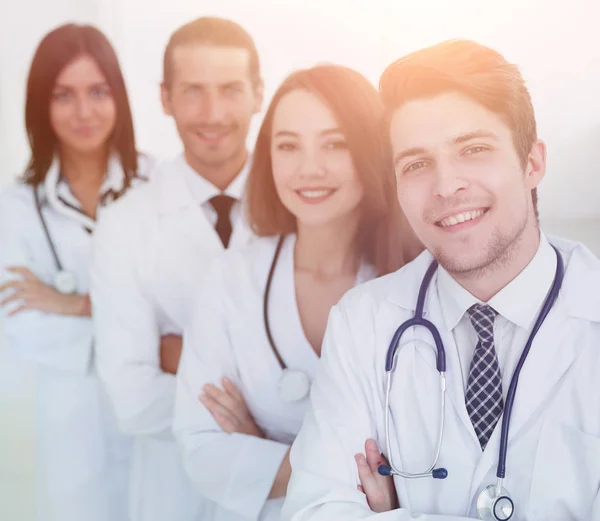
column 212, row 100
column 460, row 182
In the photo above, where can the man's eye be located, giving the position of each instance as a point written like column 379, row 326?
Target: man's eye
column 475, row 150
column 417, row 165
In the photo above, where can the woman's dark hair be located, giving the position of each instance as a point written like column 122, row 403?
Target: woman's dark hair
column 59, row 48
column 384, row 237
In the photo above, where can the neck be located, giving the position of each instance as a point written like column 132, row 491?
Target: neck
column 327, row 251
column 485, row 283
column 87, row 168
column 220, row 175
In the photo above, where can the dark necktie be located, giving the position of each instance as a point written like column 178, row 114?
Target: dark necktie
column 222, row 205
column 484, row 387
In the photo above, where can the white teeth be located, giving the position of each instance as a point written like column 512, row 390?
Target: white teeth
column 461, row 218
column 314, row 194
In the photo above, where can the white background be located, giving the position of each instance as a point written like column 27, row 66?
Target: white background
column 556, row 43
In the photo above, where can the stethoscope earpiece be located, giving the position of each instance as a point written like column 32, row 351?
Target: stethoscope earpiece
column 384, row 470
column 440, row 473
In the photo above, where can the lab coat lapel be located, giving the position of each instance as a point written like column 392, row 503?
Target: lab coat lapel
column 177, row 202
column 488, row 458
column 181, row 214
column 454, row 382
column 406, row 297
column 285, row 319
column 112, row 187
column 50, row 191
column 552, row 353
column 242, row 233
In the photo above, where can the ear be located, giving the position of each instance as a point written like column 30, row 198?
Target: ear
column 165, row 99
column 536, row 165
column 259, row 90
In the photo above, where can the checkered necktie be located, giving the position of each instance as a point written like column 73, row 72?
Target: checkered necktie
column 484, row 387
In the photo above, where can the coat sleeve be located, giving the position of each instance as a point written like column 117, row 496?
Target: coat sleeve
column 62, row 342
column 234, row 470
column 324, row 478
column 127, row 338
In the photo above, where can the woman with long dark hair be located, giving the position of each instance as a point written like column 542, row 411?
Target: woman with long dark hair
column 83, row 156
column 321, row 198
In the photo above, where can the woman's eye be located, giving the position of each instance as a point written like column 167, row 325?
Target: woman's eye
column 336, row 145
column 287, row 147
column 100, row 92
column 62, row 95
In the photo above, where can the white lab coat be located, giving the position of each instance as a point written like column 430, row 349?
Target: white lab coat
column 82, row 461
column 226, row 337
column 150, row 251
column 553, row 464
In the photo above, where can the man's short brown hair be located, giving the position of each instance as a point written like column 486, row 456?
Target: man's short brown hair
column 473, row 70
column 218, row 32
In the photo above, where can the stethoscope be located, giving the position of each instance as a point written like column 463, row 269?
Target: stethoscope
column 293, row 385
column 494, row 502
column 64, row 281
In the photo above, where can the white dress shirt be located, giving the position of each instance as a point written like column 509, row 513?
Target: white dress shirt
column 203, row 191
column 517, row 305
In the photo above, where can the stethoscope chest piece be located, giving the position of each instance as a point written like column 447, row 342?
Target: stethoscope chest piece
column 494, row 506
column 65, row 282
column 293, row 385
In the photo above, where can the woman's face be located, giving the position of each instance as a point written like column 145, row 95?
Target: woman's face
column 83, row 112
column 313, row 170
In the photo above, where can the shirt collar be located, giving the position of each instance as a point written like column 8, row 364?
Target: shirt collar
column 202, row 190
column 454, row 299
column 518, row 302
column 114, row 180
column 59, row 196
column 63, row 191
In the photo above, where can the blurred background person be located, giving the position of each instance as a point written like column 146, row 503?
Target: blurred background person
column 83, row 156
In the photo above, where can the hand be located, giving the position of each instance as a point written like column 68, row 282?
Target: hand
column 229, row 409
column 280, row 484
column 380, row 490
column 170, row 353
column 32, row 293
